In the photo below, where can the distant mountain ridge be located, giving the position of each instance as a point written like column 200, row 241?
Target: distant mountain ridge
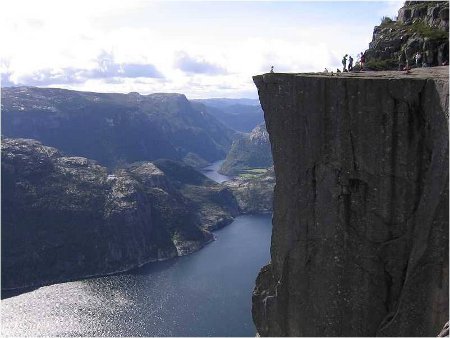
column 115, row 129
column 224, row 102
column 239, row 114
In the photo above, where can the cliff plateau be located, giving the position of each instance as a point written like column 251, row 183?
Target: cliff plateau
column 360, row 225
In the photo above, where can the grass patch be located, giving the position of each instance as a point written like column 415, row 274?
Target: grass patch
column 252, row 173
column 426, row 31
column 380, row 64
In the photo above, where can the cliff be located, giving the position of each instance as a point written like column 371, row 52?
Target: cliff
column 66, row 218
column 360, row 225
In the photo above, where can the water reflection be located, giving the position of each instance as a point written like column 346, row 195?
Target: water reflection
column 207, row 293
column 211, row 172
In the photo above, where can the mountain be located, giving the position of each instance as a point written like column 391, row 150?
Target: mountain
column 115, row 129
column 421, row 27
column 225, row 102
column 238, row 114
column 67, row 218
column 248, row 151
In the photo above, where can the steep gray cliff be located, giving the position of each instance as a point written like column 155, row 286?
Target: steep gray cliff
column 360, row 225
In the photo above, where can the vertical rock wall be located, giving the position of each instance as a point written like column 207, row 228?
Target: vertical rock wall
column 360, row 236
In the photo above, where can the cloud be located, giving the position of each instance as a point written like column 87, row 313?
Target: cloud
column 5, row 82
column 106, row 69
column 193, row 65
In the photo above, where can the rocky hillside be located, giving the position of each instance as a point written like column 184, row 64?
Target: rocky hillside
column 361, row 209
column 115, row 129
column 254, row 192
column 248, row 151
column 421, row 26
column 68, row 217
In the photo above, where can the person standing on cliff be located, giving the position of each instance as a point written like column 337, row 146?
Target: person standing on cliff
column 350, row 63
column 344, row 63
column 271, row 69
column 417, row 57
column 362, row 60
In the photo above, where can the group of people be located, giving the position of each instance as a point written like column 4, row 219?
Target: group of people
column 420, row 60
column 349, row 67
column 361, row 60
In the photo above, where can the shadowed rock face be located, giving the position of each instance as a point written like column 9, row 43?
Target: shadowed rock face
column 66, row 218
column 360, row 225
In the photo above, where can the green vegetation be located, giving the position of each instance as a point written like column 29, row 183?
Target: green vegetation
column 426, row 31
column 386, row 20
column 418, row 27
column 379, row 64
column 252, row 173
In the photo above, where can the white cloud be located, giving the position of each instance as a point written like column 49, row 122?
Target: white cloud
column 54, row 42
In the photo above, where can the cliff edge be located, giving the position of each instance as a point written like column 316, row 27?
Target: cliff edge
column 360, row 225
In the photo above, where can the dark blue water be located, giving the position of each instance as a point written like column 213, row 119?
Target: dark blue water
column 211, row 172
column 207, row 293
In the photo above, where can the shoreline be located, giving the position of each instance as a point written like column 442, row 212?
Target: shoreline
column 29, row 288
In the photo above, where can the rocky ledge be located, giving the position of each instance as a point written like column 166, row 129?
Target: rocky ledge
column 360, row 225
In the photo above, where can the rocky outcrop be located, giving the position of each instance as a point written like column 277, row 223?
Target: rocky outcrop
column 421, row 26
column 67, row 218
column 248, row 151
column 360, row 225
column 115, row 129
column 254, row 193
column 433, row 13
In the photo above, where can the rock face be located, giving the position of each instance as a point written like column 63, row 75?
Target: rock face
column 433, row 13
column 248, row 151
column 115, row 129
column 421, row 26
column 360, row 226
column 66, row 218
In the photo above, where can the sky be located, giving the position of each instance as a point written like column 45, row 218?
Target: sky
column 202, row 49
